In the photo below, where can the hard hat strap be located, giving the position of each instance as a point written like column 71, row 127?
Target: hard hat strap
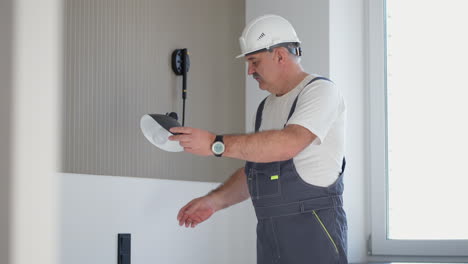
column 298, row 51
column 292, row 47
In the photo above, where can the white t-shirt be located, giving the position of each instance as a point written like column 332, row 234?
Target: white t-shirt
column 321, row 109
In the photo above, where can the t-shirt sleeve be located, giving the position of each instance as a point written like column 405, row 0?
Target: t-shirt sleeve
column 252, row 124
column 317, row 108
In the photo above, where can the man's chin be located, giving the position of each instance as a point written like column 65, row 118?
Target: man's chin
column 261, row 85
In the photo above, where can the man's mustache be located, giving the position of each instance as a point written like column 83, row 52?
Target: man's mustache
column 256, row 76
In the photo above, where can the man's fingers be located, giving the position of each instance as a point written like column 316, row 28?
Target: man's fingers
column 186, row 215
column 184, row 144
column 189, row 150
column 189, row 222
column 180, row 215
column 197, row 219
column 190, row 210
column 184, row 219
column 183, row 130
column 182, row 211
column 181, row 138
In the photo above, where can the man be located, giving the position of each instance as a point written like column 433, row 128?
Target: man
column 295, row 158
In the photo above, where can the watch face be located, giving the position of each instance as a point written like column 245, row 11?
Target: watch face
column 218, row 147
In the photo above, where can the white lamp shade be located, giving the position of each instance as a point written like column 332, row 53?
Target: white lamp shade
column 156, row 129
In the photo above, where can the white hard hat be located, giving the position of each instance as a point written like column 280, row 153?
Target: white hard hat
column 264, row 32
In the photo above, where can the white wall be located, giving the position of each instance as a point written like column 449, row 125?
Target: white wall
column 94, row 209
column 332, row 33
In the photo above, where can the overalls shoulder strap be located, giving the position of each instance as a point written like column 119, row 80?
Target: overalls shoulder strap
column 258, row 118
column 293, row 107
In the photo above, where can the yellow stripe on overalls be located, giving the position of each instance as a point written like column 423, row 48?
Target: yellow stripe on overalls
column 326, row 230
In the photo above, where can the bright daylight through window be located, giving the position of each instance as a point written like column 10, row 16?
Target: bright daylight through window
column 427, row 122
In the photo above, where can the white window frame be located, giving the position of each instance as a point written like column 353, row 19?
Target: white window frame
column 379, row 243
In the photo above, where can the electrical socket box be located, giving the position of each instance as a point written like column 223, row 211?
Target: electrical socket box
column 124, row 248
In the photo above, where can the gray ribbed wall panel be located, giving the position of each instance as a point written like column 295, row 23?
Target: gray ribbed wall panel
column 117, row 68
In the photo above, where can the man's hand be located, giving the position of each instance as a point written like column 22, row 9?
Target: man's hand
column 196, row 211
column 194, row 140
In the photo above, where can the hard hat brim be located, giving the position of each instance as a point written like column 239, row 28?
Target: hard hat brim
column 254, row 51
column 240, row 56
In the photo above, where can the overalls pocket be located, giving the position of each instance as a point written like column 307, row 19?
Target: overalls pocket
column 265, row 180
column 302, row 239
column 326, row 232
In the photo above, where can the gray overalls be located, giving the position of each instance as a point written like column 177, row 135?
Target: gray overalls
column 298, row 222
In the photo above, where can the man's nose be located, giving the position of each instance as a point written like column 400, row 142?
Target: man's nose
column 251, row 70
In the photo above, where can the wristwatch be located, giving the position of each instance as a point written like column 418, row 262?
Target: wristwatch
column 218, row 146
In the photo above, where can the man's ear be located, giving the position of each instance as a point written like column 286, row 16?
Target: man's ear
column 281, row 54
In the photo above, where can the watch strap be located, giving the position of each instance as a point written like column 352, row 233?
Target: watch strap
column 218, row 138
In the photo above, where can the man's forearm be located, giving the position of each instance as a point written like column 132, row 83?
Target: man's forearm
column 268, row 146
column 265, row 146
column 234, row 190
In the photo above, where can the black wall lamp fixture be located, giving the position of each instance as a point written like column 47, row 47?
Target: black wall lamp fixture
column 155, row 127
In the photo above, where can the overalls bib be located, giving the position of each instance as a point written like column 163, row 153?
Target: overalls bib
column 298, row 222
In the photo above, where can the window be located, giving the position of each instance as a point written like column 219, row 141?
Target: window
column 418, row 69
